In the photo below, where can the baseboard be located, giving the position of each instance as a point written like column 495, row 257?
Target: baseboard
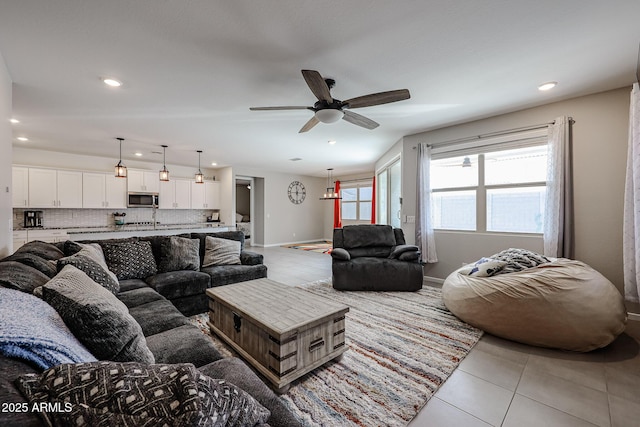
column 437, row 280
column 300, row 242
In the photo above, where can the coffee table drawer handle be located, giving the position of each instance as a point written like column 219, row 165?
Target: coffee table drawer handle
column 316, row 344
column 237, row 321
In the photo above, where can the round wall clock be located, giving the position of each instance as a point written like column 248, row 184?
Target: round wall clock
column 296, row 192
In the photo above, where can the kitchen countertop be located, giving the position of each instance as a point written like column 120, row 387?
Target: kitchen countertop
column 129, row 227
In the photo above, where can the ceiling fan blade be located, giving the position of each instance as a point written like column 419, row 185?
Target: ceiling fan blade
column 359, row 120
column 377, row 98
column 310, row 124
column 279, row 108
column 317, row 85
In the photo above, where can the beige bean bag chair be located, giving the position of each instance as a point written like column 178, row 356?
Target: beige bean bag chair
column 560, row 304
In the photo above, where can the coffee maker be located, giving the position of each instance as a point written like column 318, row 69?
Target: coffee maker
column 33, row 219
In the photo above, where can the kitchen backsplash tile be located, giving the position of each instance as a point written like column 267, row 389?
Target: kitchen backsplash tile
column 67, row 218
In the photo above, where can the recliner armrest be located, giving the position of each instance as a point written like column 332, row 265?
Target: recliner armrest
column 340, row 254
column 398, row 250
column 251, row 258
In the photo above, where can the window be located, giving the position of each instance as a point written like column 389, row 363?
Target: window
column 498, row 190
column 389, row 191
column 356, row 202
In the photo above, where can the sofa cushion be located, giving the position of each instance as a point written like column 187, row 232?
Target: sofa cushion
column 32, row 260
column 30, row 329
column 157, row 316
column 175, row 284
column 15, row 275
column 177, row 346
column 221, row 252
column 130, row 259
column 129, row 284
column 140, row 296
column 178, row 253
column 226, row 274
column 96, row 317
column 92, row 269
column 364, row 235
column 237, row 372
column 44, row 250
column 137, row 394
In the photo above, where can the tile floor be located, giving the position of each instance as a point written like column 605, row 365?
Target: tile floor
column 503, row 383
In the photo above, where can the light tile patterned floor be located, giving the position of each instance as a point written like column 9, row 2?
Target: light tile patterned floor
column 503, row 383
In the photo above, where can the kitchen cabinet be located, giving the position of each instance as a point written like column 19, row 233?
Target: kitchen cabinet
column 20, row 187
column 175, row 194
column 102, row 190
column 205, row 196
column 50, row 236
column 50, row 188
column 19, row 238
column 139, row 181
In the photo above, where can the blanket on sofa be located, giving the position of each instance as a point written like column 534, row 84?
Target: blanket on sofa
column 41, row 336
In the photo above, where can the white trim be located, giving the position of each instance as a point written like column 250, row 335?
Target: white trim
column 434, row 280
column 635, row 317
column 387, row 164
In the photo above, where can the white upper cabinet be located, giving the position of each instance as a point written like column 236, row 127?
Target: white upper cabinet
column 139, row 181
column 102, row 190
column 175, row 194
column 49, row 188
column 206, row 195
column 20, row 187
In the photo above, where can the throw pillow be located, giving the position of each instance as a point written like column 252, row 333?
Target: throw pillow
column 44, row 250
column 179, row 253
column 15, row 275
column 30, row 329
column 221, row 252
column 91, row 268
column 130, row 260
column 32, row 260
column 519, row 259
column 484, row 267
column 96, row 317
column 239, row 217
column 136, row 394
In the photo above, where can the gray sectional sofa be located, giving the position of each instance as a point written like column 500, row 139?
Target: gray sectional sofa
column 156, row 304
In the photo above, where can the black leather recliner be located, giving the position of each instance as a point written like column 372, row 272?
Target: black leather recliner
column 374, row 258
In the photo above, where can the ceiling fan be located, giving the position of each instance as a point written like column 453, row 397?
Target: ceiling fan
column 330, row 110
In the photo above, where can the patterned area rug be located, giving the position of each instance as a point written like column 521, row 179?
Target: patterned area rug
column 402, row 347
column 323, row 246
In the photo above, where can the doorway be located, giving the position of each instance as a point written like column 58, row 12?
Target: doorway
column 390, row 194
column 245, row 210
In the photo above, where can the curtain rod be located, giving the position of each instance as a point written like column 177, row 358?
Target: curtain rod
column 497, row 133
column 355, row 180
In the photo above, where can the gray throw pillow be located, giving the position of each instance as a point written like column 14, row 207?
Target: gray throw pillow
column 91, row 268
column 176, row 394
column 130, row 259
column 221, row 252
column 179, row 253
column 15, row 275
column 96, row 317
column 44, row 250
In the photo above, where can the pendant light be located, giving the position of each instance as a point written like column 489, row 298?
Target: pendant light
column 121, row 170
column 330, row 194
column 199, row 175
column 164, row 173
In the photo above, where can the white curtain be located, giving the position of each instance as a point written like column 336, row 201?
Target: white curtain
column 558, row 216
column 425, row 238
column 631, row 223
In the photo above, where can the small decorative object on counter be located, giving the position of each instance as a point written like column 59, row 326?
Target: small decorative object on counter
column 119, row 217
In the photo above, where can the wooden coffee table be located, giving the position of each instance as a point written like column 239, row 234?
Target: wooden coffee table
column 282, row 331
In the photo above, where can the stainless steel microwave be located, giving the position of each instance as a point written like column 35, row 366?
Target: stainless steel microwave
column 142, row 200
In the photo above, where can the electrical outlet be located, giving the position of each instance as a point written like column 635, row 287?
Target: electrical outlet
column 411, row 219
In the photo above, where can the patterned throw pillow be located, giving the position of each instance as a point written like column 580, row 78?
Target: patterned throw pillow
column 137, row 394
column 221, row 252
column 130, row 260
column 179, row 253
column 484, row 267
column 92, row 269
column 96, row 317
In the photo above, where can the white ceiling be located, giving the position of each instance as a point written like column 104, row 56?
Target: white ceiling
column 191, row 70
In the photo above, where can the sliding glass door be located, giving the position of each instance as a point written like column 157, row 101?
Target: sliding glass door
column 389, row 194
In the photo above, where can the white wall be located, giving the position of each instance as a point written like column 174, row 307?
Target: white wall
column 6, row 221
column 600, row 150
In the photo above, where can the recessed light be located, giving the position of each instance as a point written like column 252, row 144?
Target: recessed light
column 547, row 86
column 214, row 164
column 14, row 121
column 22, row 138
column 139, row 154
column 332, row 141
column 111, row 82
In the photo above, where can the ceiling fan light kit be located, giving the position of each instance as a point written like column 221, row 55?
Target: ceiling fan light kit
column 121, row 170
column 329, row 110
